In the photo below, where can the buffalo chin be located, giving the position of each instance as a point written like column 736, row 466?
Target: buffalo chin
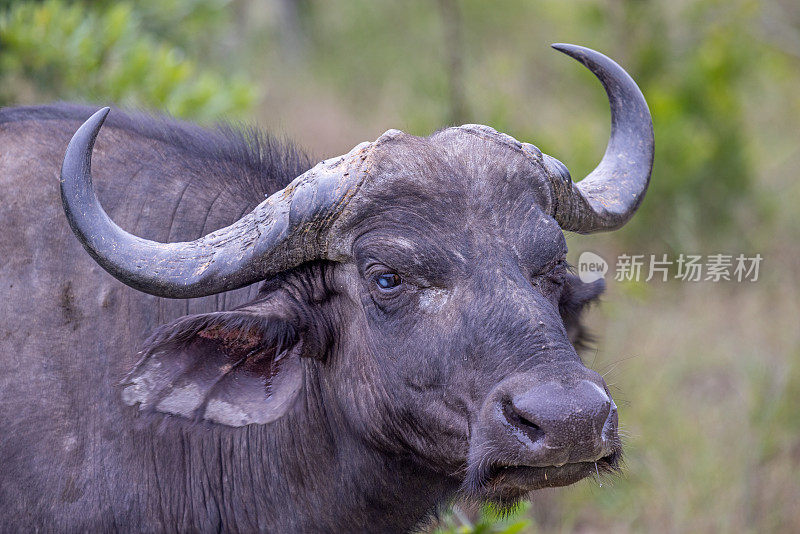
column 504, row 486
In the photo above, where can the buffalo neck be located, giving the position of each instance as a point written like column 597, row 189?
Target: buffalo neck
column 305, row 472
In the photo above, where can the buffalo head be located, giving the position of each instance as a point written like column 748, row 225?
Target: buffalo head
column 415, row 295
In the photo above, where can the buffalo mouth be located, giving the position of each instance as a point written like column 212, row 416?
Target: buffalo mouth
column 506, row 484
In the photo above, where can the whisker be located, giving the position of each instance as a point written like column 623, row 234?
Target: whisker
column 613, row 365
column 594, row 359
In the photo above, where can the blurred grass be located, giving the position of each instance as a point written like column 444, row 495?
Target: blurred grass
column 707, row 376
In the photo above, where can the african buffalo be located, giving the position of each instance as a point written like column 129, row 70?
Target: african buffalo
column 392, row 329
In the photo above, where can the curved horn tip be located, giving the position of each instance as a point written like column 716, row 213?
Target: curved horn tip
column 583, row 54
column 83, row 138
column 102, row 111
column 562, row 47
column 97, row 119
column 570, row 49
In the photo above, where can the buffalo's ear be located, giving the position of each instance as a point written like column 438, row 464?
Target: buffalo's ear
column 234, row 368
column 575, row 296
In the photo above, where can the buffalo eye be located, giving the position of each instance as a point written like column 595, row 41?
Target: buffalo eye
column 559, row 273
column 388, row 281
column 552, row 278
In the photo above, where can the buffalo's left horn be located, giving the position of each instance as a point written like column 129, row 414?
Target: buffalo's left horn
column 287, row 229
column 613, row 191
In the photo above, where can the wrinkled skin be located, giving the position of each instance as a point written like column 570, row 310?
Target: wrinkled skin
column 385, row 399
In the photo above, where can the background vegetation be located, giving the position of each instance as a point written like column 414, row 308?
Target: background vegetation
column 707, row 375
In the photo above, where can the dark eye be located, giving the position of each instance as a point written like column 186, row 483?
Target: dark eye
column 559, row 274
column 555, row 274
column 388, row 281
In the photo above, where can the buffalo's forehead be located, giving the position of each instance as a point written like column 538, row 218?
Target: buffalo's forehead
column 463, row 188
column 472, row 165
column 495, row 167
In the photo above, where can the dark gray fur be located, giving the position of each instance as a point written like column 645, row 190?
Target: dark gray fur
column 385, row 424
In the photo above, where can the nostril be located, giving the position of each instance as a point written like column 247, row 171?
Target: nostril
column 519, row 421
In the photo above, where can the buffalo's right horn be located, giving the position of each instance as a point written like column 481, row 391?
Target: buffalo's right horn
column 609, row 196
column 285, row 230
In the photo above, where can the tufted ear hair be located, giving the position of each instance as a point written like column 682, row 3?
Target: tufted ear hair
column 575, row 296
column 234, row 368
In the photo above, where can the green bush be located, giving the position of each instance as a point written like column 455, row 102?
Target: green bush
column 105, row 52
column 491, row 521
